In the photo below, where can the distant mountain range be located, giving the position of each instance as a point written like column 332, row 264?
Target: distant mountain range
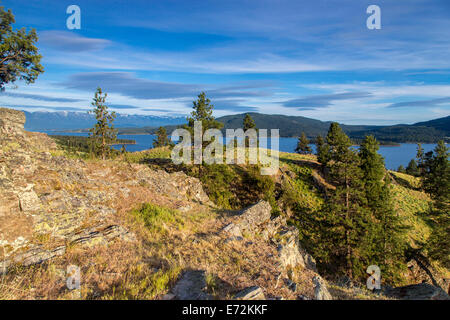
column 63, row 121
column 290, row 126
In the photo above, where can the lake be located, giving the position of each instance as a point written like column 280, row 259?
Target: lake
column 394, row 155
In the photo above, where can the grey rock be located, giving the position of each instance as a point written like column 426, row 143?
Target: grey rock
column 233, row 230
column 251, row 293
column 255, row 215
column 191, row 286
column 421, row 291
column 290, row 253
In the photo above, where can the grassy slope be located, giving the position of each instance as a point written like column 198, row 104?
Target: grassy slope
column 226, row 185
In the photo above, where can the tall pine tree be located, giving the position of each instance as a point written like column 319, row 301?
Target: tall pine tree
column 385, row 243
column 103, row 134
column 345, row 212
column 436, row 182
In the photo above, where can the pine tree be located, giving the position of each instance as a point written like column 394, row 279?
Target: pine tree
column 19, row 58
column 385, row 242
column 203, row 110
column 303, row 145
column 248, row 123
column 103, row 134
column 436, row 182
column 162, row 139
column 420, row 157
column 401, row 169
column 322, row 151
column 346, row 215
column 412, row 168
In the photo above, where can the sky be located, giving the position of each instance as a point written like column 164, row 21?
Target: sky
column 316, row 59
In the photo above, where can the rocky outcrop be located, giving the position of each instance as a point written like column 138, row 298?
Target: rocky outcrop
column 290, row 252
column 191, row 286
column 37, row 254
column 422, row 291
column 70, row 201
column 11, row 123
column 257, row 219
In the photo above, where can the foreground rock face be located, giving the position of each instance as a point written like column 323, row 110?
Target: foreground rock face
column 257, row 219
column 70, row 201
column 422, row 291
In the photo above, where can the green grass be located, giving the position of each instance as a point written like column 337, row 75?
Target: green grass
column 413, row 207
column 155, row 217
column 144, row 156
column 406, row 180
column 139, row 285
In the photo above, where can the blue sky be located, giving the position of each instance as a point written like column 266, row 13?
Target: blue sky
column 310, row 58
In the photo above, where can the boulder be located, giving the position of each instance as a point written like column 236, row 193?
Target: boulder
column 250, row 293
column 421, row 291
column 290, row 253
column 233, row 230
column 255, row 215
column 28, row 199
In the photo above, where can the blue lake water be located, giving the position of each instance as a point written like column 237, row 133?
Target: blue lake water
column 394, row 155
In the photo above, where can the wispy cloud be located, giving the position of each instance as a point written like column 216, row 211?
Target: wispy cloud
column 323, row 101
column 70, row 41
column 233, row 106
column 122, row 106
column 38, row 97
column 127, row 84
column 421, row 103
column 62, row 108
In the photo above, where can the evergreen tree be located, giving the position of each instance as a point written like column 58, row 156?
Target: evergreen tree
column 346, row 215
column 401, row 169
column 322, row 150
column 436, row 182
column 385, row 242
column 248, row 123
column 103, row 134
column 420, row 157
column 412, row 168
column 162, row 139
column 203, row 110
column 303, row 145
column 19, row 58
